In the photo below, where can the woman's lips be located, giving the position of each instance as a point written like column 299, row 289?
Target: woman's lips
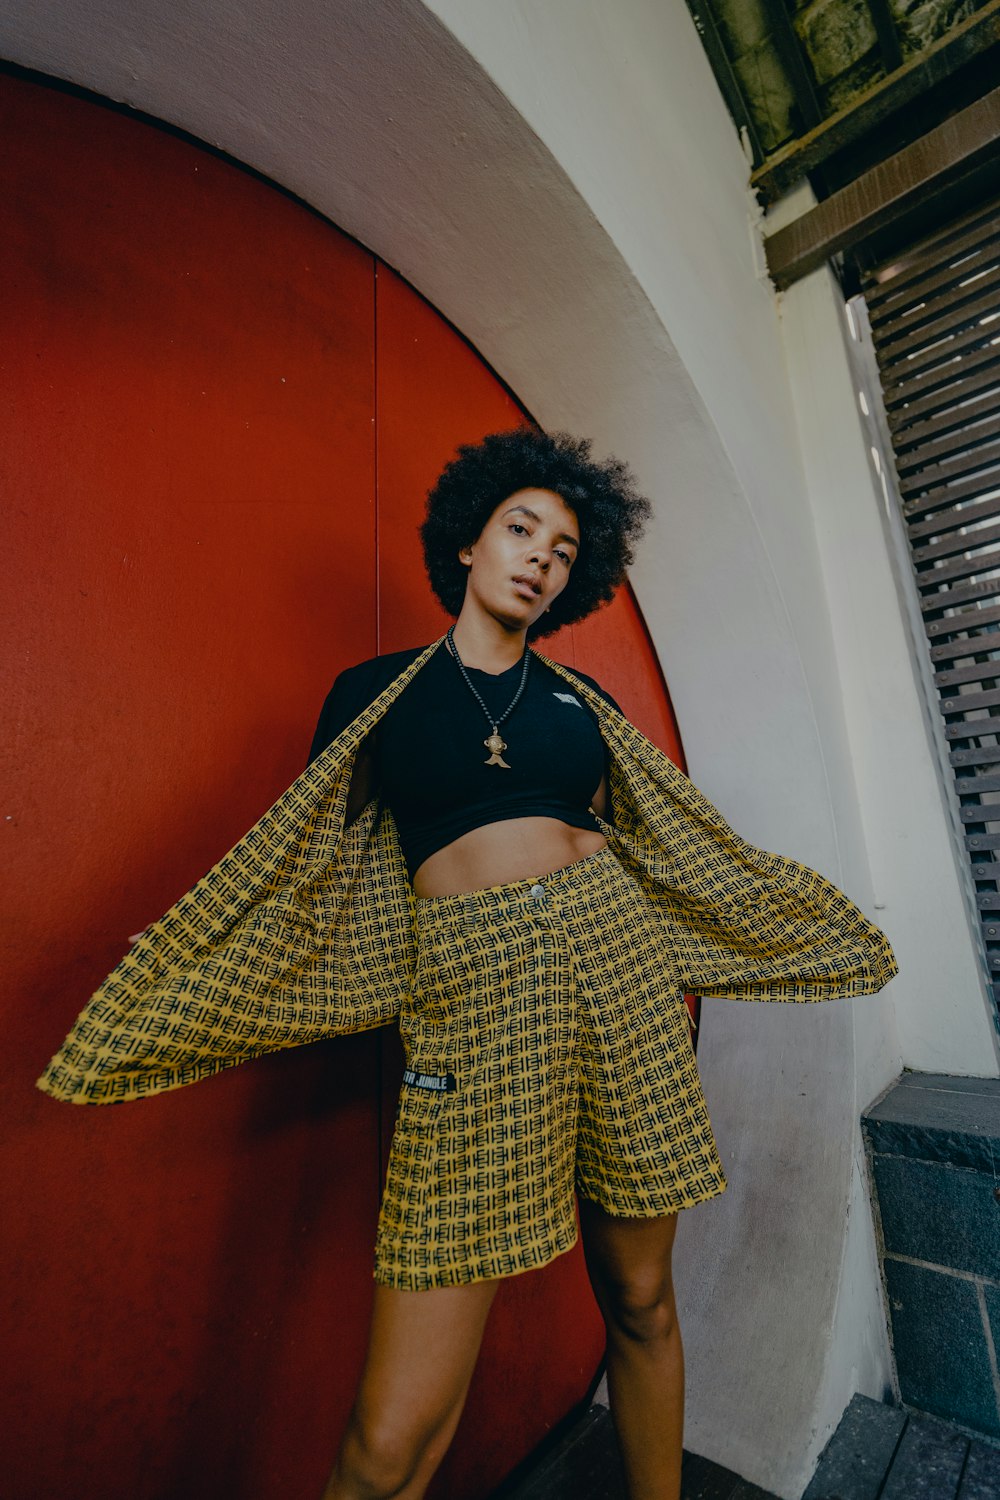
column 525, row 589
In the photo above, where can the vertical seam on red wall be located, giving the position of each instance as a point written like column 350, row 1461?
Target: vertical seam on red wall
column 380, row 1162
column 375, row 443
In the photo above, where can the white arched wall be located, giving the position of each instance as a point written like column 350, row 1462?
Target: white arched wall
column 586, row 227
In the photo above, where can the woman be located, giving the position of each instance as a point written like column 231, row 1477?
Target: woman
column 485, row 849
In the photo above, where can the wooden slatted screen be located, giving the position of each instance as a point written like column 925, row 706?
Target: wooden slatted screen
column 935, row 321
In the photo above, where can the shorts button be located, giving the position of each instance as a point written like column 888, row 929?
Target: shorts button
column 537, row 891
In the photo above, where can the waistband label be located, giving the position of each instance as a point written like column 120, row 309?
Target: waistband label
column 439, row 1083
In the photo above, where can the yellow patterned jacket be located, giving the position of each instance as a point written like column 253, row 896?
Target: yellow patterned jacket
column 304, row 929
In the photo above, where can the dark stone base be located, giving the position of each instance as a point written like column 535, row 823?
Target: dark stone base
column 884, row 1453
column 934, row 1150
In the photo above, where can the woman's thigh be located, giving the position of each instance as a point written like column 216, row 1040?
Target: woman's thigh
column 421, row 1353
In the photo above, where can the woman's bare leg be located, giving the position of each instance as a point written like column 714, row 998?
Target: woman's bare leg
column 421, row 1353
column 629, row 1265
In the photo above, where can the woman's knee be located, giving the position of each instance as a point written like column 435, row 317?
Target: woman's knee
column 639, row 1308
column 380, row 1462
column 629, row 1261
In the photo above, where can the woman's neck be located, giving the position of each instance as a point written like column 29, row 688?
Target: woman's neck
column 485, row 645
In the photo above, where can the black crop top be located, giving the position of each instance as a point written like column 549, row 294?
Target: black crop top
column 429, row 756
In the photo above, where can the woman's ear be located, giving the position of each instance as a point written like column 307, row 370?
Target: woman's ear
column 465, row 556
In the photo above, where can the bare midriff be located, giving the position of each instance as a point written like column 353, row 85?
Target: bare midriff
column 497, row 853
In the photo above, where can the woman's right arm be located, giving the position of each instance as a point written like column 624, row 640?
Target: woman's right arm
column 350, row 695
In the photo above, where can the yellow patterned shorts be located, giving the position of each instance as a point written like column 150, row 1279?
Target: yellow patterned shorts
column 547, row 1047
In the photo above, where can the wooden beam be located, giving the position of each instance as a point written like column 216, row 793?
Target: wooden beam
column 969, row 140
column 863, row 114
column 888, row 36
column 795, row 61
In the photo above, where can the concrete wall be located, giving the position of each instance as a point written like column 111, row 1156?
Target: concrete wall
column 562, row 180
column 940, row 1015
column 919, row 873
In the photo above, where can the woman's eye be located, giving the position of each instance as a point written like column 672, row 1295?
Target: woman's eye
column 516, row 526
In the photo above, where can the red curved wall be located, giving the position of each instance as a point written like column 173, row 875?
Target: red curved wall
column 220, row 416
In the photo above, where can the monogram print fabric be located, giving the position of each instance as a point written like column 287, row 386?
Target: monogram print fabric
column 301, row 931
column 305, row 930
column 742, row 923
column 553, row 1010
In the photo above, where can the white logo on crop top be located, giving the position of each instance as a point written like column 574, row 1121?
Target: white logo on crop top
column 567, row 698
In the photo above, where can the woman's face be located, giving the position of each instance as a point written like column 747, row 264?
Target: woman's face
column 521, row 562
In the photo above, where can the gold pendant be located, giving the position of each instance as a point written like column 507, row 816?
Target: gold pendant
column 494, row 745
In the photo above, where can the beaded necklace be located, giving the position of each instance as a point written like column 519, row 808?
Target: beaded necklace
column 494, row 742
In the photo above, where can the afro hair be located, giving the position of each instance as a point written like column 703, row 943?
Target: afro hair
column 604, row 497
